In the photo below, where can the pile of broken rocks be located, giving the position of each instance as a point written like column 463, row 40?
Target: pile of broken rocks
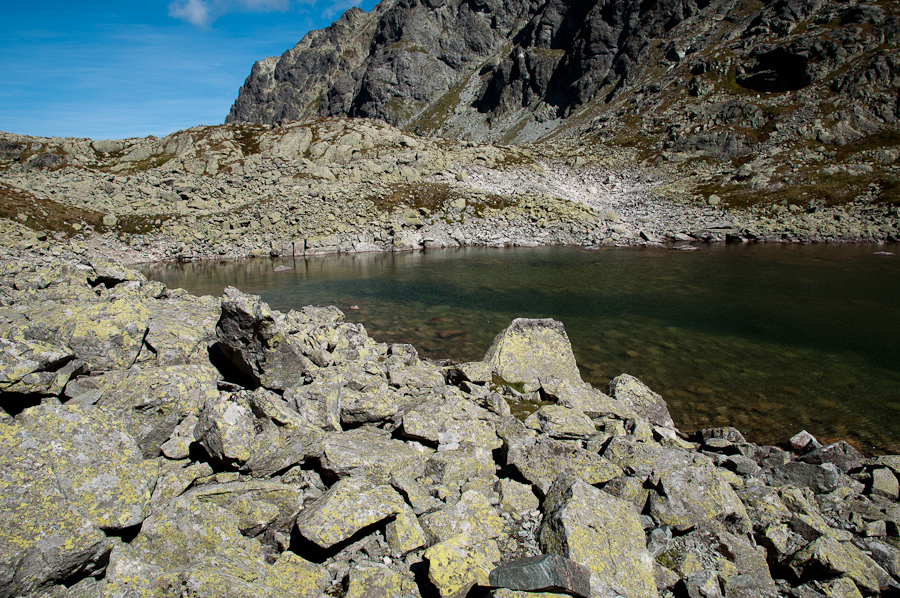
column 159, row 444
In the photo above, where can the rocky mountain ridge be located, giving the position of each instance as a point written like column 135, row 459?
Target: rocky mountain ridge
column 752, row 91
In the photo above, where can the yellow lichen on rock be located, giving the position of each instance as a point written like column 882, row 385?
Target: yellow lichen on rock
column 457, row 564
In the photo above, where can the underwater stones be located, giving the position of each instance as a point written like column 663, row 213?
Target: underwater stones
column 643, row 401
column 591, row 527
column 529, row 350
column 66, row 473
column 544, row 573
column 349, row 505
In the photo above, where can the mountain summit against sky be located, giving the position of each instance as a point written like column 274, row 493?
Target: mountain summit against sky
column 516, row 70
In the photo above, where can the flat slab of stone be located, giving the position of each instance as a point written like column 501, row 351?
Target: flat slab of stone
column 543, row 573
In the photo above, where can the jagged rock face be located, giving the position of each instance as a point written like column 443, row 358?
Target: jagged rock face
column 515, row 70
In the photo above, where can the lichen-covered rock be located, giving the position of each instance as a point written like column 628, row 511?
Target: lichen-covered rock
column 458, row 563
column 231, row 432
column 66, row 473
column 451, row 421
column 820, row 478
column 691, row 494
column 259, row 505
column 106, row 335
column 541, row 460
column 182, row 330
column 454, row 468
column 376, row 580
column 557, row 421
column 643, row 401
column 827, row 557
column 527, row 351
column 151, row 402
column 372, row 454
column 34, row 368
column 349, row 505
column 591, row 527
column 404, row 534
column 472, row 514
column 516, row 497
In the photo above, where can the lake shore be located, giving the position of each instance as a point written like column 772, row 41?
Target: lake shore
column 217, row 446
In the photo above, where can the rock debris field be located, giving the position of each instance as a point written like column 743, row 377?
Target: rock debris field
column 155, row 443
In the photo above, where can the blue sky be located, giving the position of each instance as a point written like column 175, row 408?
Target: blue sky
column 110, row 70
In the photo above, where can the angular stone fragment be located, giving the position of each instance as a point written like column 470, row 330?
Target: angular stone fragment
column 32, row 367
column 182, row 330
column 107, row 335
column 151, row 402
column 375, row 580
column 404, row 534
column 884, row 483
column 516, row 497
column 544, row 573
column 258, row 342
column 65, row 474
column 593, row 528
column 841, row 454
column 557, row 421
column 541, row 461
column 457, row 564
column 582, row 397
column 478, row 372
column 370, row 454
column 643, row 401
column 826, row 557
column 451, row 421
column 689, row 495
column 529, row 350
column 453, row 468
column 472, row 514
column 819, row 478
column 349, row 505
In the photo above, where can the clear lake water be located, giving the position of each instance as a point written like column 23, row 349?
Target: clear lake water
column 771, row 339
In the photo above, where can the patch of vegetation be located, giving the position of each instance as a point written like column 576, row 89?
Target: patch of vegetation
column 45, row 214
column 138, row 225
column 432, row 119
column 247, row 137
column 887, row 138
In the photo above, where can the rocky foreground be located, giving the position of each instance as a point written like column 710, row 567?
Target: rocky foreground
column 153, row 443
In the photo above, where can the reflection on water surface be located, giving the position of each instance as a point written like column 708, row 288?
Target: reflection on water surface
column 769, row 339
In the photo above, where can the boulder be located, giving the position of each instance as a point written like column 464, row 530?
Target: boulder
column 182, row 330
column 376, row 580
column 819, row 478
column 35, row 368
column 591, row 527
column 457, row 564
column 151, row 402
column 540, row 461
column 67, row 474
column 258, row 342
column 827, row 557
column 106, row 335
column 451, row 421
column 527, row 351
column 557, row 421
column 544, row 573
column 349, row 506
column 641, row 400
column 365, row 452
column 472, row 515
column 689, row 495
column 841, row 454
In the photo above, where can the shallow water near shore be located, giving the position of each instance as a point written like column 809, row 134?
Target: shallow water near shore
column 771, row 339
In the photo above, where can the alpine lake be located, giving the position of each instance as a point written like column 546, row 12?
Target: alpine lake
column 770, row 339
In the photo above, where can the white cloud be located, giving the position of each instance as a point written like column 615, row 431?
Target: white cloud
column 202, row 13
